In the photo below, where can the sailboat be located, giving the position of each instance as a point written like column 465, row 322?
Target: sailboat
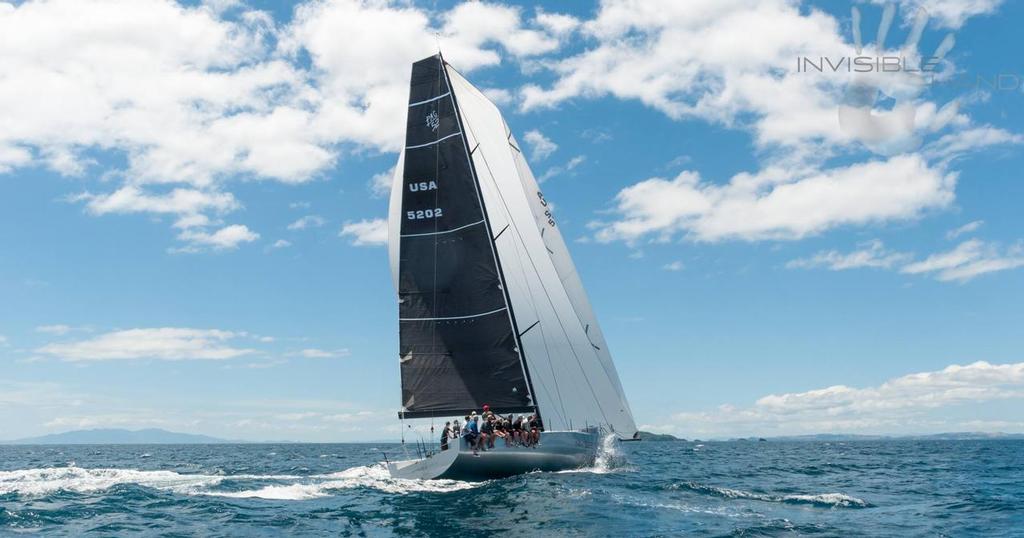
column 491, row 308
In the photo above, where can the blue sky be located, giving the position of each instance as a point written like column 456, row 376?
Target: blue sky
column 190, row 204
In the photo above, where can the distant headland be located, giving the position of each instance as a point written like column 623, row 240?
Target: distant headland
column 117, row 436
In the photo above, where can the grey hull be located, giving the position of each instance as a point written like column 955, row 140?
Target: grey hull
column 556, row 451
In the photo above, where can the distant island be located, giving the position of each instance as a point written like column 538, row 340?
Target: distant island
column 116, row 436
column 658, row 437
column 948, row 436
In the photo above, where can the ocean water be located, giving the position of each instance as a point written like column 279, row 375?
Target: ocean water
column 861, row 488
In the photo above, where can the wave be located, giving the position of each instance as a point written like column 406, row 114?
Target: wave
column 839, row 500
column 41, row 482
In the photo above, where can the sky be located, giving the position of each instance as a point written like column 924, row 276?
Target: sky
column 192, row 204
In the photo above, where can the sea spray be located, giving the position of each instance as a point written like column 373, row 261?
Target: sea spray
column 609, row 458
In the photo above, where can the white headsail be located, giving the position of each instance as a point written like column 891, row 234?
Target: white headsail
column 572, row 372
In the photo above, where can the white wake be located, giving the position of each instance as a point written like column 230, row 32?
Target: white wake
column 40, row 482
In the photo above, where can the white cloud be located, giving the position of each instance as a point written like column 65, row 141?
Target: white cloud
column 965, row 229
column 685, row 60
column 969, row 140
column 978, row 381
column 3, row 341
column 188, row 204
column 314, row 353
column 198, row 96
column 968, row 260
column 673, row 266
column 871, row 254
column 366, row 232
column 566, row 168
column 498, row 96
column 541, row 145
column 53, row 329
column 309, row 221
column 228, row 237
column 60, row 329
column 953, row 13
column 731, row 63
column 165, row 343
column 558, row 24
column 181, row 201
column 187, row 95
column 380, row 184
column 896, row 404
column 12, row 157
column 776, row 204
column 194, row 220
column 281, row 243
column 474, row 24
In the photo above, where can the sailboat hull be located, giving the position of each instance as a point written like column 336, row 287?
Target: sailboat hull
column 556, row 451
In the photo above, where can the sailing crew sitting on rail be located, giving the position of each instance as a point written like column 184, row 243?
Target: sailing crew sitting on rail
column 499, row 430
column 487, row 429
column 534, row 429
column 444, row 435
column 517, row 430
column 487, row 433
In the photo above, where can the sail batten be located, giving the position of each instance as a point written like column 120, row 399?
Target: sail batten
column 495, row 311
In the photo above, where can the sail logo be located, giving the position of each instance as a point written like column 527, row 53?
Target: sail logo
column 433, row 120
column 423, row 186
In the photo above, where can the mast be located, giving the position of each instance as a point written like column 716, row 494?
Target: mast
column 490, row 233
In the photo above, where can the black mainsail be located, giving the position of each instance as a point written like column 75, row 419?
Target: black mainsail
column 457, row 339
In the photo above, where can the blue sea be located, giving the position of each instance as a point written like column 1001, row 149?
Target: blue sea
column 860, row 488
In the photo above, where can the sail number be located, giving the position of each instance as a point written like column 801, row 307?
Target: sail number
column 424, row 214
column 547, row 212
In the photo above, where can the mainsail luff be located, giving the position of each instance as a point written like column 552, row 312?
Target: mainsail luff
column 458, row 343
